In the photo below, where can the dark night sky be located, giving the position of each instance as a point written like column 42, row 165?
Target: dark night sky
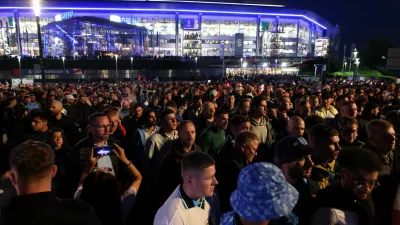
column 359, row 20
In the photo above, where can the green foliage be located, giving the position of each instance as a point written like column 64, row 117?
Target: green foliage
column 361, row 73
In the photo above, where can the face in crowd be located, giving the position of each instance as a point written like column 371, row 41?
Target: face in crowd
column 349, row 133
column 57, row 139
column 243, row 126
column 114, row 122
column 383, row 140
column 170, row 122
column 361, row 182
column 296, row 126
column 250, row 150
column 208, row 110
column 56, row 108
column 187, row 134
column 137, row 112
column 222, row 121
column 39, row 124
column 99, row 130
column 299, row 169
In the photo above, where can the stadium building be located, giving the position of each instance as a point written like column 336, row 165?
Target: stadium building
column 163, row 27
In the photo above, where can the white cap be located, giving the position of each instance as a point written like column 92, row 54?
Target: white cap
column 70, row 97
column 214, row 93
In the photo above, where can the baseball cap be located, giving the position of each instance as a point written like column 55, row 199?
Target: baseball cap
column 263, row 193
column 292, row 148
column 70, row 97
column 250, row 95
column 214, row 93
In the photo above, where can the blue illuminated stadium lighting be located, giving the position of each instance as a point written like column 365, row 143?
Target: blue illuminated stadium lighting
column 172, row 10
column 72, row 39
column 219, row 3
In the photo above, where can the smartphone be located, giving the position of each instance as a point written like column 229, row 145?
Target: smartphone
column 102, row 151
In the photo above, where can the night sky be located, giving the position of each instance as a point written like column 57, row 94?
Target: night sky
column 358, row 20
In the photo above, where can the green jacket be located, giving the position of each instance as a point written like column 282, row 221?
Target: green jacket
column 211, row 139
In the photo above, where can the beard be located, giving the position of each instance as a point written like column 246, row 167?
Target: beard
column 296, row 172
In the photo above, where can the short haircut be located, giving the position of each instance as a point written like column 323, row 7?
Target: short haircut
column 41, row 114
column 82, row 96
column 110, row 112
column 196, row 98
column 237, row 120
column 322, row 132
column 166, row 112
column 115, row 103
column 346, row 121
column 392, row 116
column 183, row 124
column 136, row 105
column 245, row 137
column 256, row 102
column 197, row 161
column 359, row 158
column 327, row 95
column 221, row 111
column 94, row 116
column 171, row 104
column 348, row 103
column 341, row 97
column 383, row 124
column 32, row 160
column 312, row 120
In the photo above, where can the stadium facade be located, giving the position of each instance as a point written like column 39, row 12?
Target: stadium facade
column 162, row 27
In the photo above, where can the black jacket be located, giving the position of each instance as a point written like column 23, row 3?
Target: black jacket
column 339, row 198
column 228, row 167
column 46, row 209
column 169, row 176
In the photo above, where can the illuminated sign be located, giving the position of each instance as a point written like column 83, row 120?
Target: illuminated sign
column 188, row 24
column 127, row 20
column 64, row 16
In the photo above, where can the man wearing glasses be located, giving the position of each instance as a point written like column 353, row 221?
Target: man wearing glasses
column 230, row 164
column 98, row 135
column 382, row 141
column 350, row 202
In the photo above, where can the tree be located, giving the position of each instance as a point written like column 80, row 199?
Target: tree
column 375, row 48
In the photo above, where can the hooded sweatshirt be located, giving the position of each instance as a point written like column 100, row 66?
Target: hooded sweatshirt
column 263, row 130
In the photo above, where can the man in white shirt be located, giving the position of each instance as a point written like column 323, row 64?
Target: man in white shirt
column 187, row 204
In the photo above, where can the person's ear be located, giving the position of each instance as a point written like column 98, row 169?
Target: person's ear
column 13, row 178
column 54, row 170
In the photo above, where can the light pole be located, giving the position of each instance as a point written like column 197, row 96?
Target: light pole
column 241, row 64
column 131, row 65
column 356, row 63
column 195, row 59
column 345, row 65
column 116, row 68
column 19, row 66
column 36, row 10
column 63, row 60
column 244, row 65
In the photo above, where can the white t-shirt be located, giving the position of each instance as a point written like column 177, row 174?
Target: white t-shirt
column 174, row 212
column 396, row 205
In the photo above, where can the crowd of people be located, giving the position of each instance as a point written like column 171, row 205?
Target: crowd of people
column 277, row 150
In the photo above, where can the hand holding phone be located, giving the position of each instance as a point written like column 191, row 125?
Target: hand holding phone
column 102, row 151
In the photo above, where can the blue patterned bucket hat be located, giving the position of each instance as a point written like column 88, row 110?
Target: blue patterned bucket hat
column 263, row 193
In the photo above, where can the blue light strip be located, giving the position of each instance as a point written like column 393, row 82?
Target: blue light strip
column 219, row 3
column 172, row 10
column 73, row 39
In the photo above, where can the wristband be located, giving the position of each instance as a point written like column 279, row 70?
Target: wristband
column 130, row 163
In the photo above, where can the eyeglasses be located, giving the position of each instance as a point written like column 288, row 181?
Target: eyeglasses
column 362, row 183
column 102, row 127
column 252, row 151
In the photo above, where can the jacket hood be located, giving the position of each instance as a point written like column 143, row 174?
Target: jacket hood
column 262, row 122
